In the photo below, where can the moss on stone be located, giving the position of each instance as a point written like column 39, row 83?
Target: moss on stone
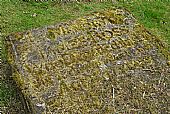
column 104, row 63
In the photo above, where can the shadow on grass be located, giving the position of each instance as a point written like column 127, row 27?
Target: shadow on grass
column 12, row 100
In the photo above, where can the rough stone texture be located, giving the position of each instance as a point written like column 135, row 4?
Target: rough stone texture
column 102, row 63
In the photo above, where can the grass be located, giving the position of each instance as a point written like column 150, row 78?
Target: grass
column 154, row 15
column 19, row 16
column 16, row 15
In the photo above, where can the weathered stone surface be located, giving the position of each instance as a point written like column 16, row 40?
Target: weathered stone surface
column 102, row 63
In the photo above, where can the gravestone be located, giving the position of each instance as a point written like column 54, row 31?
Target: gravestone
column 102, row 63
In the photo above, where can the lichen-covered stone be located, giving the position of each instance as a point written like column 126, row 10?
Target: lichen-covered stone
column 102, row 63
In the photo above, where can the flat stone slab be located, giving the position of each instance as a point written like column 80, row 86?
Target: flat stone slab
column 101, row 63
